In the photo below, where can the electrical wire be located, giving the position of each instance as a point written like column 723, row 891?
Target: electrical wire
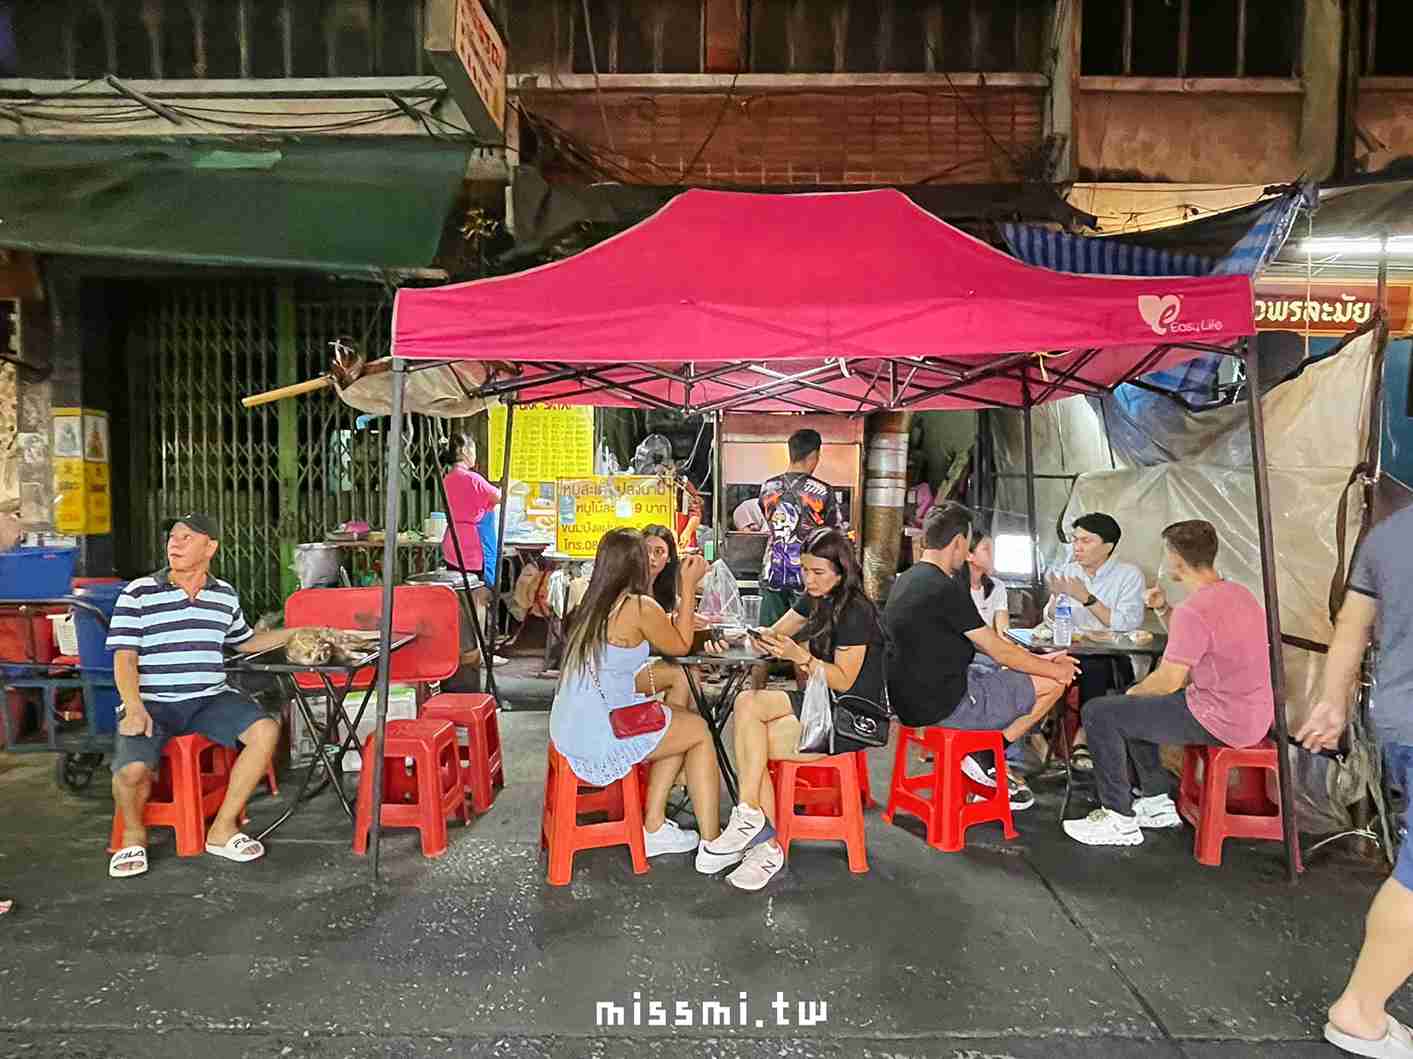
column 594, row 65
column 715, row 125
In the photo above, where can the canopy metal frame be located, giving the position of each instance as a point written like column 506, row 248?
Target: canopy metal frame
column 940, row 377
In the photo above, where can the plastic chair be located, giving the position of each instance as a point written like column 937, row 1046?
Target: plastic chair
column 480, row 755
column 187, row 792
column 939, row 797
column 566, row 799
column 821, row 800
column 422, row 798
column 1223, row 795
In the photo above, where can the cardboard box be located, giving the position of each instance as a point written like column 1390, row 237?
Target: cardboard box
column 402, row 705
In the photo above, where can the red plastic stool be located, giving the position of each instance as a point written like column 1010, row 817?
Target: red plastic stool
column 939, row 797
column 1223, row 795
column 188, row 789
column 865, row 789
column 821, row 800
column 480, row 755
column 566, row 800
column 423, row 798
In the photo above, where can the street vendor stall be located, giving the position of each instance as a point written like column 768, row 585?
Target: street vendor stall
column 834, row 303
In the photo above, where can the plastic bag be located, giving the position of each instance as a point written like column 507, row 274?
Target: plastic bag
column 721, row 599
column 816, row 717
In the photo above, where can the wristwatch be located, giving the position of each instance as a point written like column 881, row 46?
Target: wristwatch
column 120, row 711
column 1091, row 599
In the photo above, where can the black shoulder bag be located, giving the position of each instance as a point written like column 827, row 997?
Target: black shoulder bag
column 858, row 718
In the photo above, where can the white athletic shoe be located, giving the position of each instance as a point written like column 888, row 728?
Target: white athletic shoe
column 1158, row 811
column 1104, row 827
column 972, row 769
column 740, row 831
column 762, row 864
column 669, row 838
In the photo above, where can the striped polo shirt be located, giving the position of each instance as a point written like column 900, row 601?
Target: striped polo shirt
column 180, row 641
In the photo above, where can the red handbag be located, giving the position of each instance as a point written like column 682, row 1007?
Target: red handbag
column 640, row 718
column 637, row 718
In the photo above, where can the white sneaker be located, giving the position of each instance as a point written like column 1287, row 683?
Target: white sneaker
column 973, row 771
column 1104, row 827
column 739, row 833
column 670, row 838
column 709, row 863
column 762, row 864
column 1156, row 812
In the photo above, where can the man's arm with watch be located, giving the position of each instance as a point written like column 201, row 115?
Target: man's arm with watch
column 133, row 718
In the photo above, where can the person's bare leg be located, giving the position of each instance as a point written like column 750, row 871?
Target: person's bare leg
column 1047, row 693
column 259, row 741
column 661, row 778
column 754, row 711
column 1385, row 963
column 704, row 787
column 132, row 786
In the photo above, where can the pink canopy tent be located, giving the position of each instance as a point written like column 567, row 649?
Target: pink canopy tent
column 842, row 302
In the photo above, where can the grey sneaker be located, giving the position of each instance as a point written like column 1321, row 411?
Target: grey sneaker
column 1104, row 827
column 1158, row 811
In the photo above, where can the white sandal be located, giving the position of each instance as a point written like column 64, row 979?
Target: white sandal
column 135, row 855
column 241, row 848
column 1396, row 1043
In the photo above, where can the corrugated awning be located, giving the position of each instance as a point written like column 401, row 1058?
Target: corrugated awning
column 346, row 205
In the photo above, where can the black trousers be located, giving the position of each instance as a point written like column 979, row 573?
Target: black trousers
column 1101, row 675
column 1132, row 727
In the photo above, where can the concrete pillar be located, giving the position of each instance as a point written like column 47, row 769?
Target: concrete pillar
column 885, row 489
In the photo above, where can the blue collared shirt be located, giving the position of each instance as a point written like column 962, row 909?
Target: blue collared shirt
column 1118, row 585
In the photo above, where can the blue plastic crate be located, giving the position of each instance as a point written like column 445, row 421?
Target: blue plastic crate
column 37, row 573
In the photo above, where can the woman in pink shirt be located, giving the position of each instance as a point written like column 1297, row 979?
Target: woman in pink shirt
column 468, row 497
column 1213, row 687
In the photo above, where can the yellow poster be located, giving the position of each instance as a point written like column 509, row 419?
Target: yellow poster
column 590, row 507
column 547, row 443
column 69, row 510
column 98, row 503
column 83, row 499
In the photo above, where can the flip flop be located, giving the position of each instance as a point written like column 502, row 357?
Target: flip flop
column 1396, row 1043
column 136, row 855
column 241, row 848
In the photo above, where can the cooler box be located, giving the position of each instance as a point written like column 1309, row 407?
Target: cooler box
column 93, row 655
column 37, row 573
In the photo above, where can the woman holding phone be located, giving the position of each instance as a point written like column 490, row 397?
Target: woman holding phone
column 842, row 638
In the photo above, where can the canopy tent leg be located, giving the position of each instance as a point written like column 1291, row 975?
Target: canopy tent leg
column 470, row 599
column 718, row 491
column 390, row 521
column 502, row 549
column 1031, row 522
column 1261, row 474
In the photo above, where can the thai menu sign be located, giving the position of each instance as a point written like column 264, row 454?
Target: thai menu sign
column 590, row 507
column 1327, row 307
column 467, row 50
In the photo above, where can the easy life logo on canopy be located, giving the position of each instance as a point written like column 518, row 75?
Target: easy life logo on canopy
column 1162, row 312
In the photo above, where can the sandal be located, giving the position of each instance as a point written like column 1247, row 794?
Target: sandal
column 130, row 860
column 1081, row 760
column 241, row 848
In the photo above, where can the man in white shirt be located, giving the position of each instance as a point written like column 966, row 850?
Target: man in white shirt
column 1104, row 593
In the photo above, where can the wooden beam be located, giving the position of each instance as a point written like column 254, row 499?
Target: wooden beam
column 1371, row 22
column 1184, row 36
column 1240, row 38
column 1126, row 66
column 242, row 88
column 723, row 34
column 1231, row 86
column 717, row 83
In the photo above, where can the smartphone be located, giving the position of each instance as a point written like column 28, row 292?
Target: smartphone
column 756, row 634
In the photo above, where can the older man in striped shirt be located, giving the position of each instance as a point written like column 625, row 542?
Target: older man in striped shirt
column 169, row 634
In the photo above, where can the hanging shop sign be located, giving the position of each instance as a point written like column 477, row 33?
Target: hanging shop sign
column 467, row 50
column 590, row 507
column 547, row 443
column 83, row 500
column 1328, row 307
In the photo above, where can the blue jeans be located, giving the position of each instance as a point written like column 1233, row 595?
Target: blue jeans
column 1398, row 768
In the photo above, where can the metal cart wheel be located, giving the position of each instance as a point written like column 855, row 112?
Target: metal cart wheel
column 75, row 771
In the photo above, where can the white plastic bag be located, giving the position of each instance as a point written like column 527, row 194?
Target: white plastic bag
column 721, row 599
column 816, row 717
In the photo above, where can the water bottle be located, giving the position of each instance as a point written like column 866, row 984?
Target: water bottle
column 1064, row 622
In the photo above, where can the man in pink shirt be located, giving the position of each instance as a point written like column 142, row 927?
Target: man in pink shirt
column 1212, row 687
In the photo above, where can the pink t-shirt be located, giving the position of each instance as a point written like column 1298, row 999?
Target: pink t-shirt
column 469, row 496
column 1219, row 633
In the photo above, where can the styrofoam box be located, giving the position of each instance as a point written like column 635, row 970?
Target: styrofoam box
column 402, row 705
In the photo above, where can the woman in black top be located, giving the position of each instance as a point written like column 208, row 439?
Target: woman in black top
column 843, row 638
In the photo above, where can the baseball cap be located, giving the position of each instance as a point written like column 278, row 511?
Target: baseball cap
column 194, row 520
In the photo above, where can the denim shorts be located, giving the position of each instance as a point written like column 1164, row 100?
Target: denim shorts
column 994, row 699
column 221, row 718
column 1398, row 764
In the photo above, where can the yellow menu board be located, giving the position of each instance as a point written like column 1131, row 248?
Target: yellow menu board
column 590, row 507
column 547, row 443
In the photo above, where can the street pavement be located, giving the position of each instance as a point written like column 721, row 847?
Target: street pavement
column 1036, row 947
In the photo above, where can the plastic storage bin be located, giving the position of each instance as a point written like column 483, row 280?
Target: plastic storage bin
column 37, row 573
column 93, row 654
